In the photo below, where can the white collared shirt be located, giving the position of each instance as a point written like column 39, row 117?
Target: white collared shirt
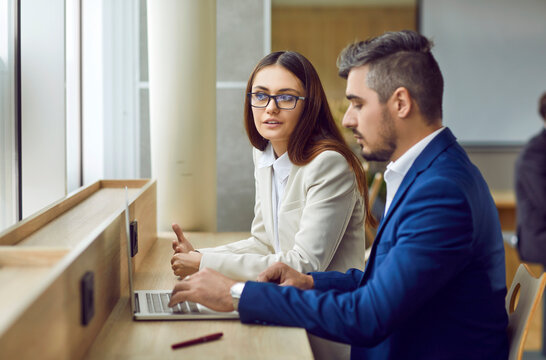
column 280, row 172
column 395, row 172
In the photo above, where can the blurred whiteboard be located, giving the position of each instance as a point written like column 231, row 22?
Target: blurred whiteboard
column 492, row 54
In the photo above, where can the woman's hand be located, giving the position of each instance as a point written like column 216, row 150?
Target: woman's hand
column 181, row 245
column 184, row 264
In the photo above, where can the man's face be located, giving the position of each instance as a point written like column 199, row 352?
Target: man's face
column 370, row 121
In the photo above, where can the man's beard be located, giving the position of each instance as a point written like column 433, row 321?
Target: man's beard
column 388, row 139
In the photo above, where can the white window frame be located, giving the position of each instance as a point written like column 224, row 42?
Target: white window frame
column 8, row 145
column 73, row 96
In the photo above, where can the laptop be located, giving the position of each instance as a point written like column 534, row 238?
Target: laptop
column 153, row 304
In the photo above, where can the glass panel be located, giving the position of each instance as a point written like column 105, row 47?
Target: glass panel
column 145, row 153
column 143, row 42
column 8, row 154
column 73, row 95
column 144, row 109
column 115, row 124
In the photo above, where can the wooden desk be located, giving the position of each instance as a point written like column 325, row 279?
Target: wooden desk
column 123, row 338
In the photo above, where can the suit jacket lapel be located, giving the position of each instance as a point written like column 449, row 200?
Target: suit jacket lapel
column 443, row 140
column 287, row 192
column 264, row 177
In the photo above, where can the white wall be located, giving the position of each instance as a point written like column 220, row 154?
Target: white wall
column 492, row 54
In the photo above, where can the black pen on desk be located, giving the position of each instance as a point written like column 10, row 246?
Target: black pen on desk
column 198, row 340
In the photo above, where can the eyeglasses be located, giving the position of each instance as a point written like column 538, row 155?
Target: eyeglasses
column 283, row 101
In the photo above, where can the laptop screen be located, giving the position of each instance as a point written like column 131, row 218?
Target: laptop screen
column 129, row 262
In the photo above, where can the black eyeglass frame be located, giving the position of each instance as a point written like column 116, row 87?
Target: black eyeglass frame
column 274, row 97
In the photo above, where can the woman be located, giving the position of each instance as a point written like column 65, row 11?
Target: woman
column 309, row 185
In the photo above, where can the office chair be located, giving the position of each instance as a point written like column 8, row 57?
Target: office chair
column 521, row 302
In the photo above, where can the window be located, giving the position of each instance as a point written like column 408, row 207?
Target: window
column 81, row 110
column 115, row 92
column 8, row 144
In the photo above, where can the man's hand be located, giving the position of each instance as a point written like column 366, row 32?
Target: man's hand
column 186, row 264
column 284, row 275
column 181, row 245
column 207, row 287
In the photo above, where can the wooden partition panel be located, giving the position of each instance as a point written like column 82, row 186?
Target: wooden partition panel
column 144, row 210
column 321, row 32
column 53, row 320
column 44, row 258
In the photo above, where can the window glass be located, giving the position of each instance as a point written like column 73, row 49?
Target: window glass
column 144, row 111
column 8, row 153
column 115, row 120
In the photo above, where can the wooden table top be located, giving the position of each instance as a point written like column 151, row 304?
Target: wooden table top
column 123, row 338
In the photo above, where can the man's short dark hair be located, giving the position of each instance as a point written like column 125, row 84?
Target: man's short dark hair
column 542, row 106
column 398, row 59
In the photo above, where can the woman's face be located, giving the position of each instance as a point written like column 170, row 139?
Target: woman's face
column 273, row 123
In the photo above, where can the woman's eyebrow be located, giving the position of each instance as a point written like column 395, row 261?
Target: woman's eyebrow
column 288, row 89
column 259, row 87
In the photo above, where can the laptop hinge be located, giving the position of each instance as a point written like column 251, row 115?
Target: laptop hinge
column 137, row 304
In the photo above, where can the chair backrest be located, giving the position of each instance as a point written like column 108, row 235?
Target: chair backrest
column 372, row 196
column 521, row 302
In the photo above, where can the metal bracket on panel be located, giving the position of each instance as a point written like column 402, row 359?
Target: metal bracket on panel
column 133, row 230
column 87, row 285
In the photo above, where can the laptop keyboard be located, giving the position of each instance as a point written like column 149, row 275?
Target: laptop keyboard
column 159, row 303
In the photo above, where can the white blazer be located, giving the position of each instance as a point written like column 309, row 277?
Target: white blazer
column 320, row 223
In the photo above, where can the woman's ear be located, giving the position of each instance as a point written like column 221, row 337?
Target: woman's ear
column 401, row 102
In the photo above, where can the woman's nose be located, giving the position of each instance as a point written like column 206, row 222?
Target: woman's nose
column 272, row 106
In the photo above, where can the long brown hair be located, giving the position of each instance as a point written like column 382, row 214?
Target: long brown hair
column 316, row 130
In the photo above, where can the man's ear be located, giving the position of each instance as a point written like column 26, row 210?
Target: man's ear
column 401, row 102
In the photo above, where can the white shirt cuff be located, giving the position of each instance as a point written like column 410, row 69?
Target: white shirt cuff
column 237, row 289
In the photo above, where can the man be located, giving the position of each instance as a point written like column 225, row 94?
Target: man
column 531, row 195
column 434, row 285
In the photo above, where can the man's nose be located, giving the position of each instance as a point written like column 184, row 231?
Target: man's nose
column 348, row 120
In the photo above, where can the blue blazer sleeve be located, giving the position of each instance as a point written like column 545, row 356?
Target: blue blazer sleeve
column 433, row 243
column 336, row 280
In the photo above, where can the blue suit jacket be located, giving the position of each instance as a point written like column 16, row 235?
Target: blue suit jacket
column 434, row 286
